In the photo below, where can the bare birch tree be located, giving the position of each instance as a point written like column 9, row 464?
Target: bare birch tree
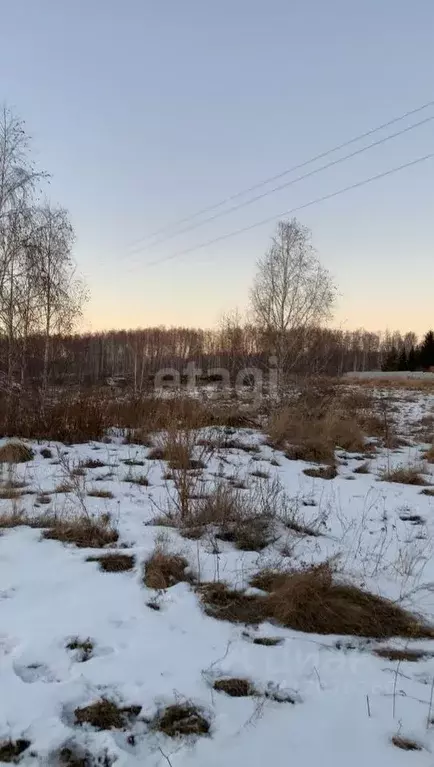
column 60, row 292
column 292, row 293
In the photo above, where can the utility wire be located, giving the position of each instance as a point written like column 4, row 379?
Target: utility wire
column 317, row 200
column 258, row 185
column 279, row 188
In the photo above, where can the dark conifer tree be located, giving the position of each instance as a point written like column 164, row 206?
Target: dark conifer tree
column 427, row 350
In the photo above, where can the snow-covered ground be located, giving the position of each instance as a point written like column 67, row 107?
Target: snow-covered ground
column 348, row 702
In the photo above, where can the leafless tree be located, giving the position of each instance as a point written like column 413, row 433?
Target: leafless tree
column 292, row 293
column 60, row 292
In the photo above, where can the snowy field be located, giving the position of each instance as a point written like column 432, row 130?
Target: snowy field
column 72, row 634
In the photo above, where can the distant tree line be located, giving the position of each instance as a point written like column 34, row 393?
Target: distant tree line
column 416, row 357
column 41, row 298
column 136, row 355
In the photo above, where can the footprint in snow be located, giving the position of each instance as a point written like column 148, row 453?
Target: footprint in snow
column 34, row 672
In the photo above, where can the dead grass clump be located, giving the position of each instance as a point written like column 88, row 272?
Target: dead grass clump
column 311, row 601
column 323, row 472
column 181, row 719
column 260, row 474
column 230, row 605
column 405, row 475
column 246, row 520
column 96, row 492
column 406, row 744
column 133, row 462
column 74, row 755
column 177, row 451
column 362, row 469
column 64, row 487
column 163, row 570
column 155, row 454
column 114, row 563
column 43, row 499
column 313, row 449
column 106, row 715
column 84, row 532
column 268, row 641
column 428, row 491
column 11, row 750
column 252, row 534
column 236, row 688
column 92, row 463
column 140, row 480
column 82, row 647
column 18, row 518
column 315, row 424
column 237, row 444
column 15, row 452
column 390, row 653
column 10, row 494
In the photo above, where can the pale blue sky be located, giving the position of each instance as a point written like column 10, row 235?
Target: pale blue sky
column 146, row 110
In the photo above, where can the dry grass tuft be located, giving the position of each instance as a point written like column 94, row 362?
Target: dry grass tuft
column 106, row 715
column 315, row 424
column 236, row 688
column 64, row 487
column 260, row 474
column 322, row 472
column 390, row 653
column 92, row 463
column 406, row 744
column 428, row 491
column 181, row 719
column 311, row 601
column 74, row 755
column 230, row 605
column 141, row 480
column 405, row 475
column 15, row 452
column 10, row 493
column 362, row 469
column 133, row 462
column 268, row 641
column 83, row 648
column 96, row 492
column 84, row 532
column 11, row 750
column 163, row 570
column 18, row 518
column 43, row 499
column 246, row 519
column 114, row 563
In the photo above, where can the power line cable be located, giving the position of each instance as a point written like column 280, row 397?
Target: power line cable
column 277, row 176
column 287, row 184
column 317, row 200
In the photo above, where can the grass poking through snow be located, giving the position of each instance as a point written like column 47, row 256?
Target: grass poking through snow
column 114, row 563
column 105, row 714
